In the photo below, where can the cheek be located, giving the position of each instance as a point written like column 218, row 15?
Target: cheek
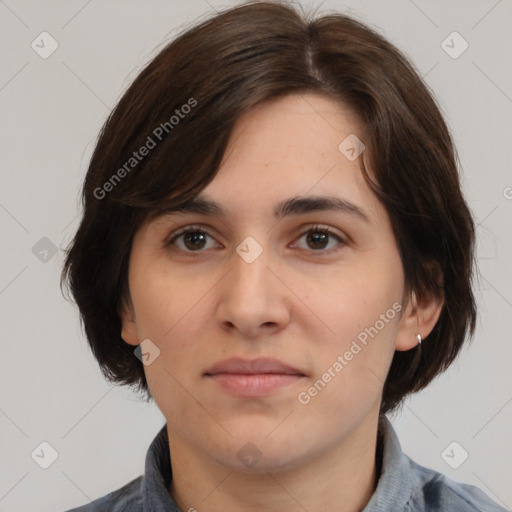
column 350, row 372
column 172, row 312
column 166, row 303
column 354, row 297
column 361, row 309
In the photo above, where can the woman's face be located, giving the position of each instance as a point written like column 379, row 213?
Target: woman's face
column 250, row 284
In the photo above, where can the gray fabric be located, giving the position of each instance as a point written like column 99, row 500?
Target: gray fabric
column 404, row 486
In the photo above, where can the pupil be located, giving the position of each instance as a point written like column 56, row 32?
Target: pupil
column 318, row 237
column 194, row 237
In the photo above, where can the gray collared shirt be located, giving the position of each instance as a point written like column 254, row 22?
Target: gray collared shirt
column 404, row 485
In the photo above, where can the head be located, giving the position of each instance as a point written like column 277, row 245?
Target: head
column 259, row 107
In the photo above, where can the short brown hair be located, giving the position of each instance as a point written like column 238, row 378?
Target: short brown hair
column 220, row 69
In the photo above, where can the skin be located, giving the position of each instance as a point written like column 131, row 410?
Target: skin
column 291, row 303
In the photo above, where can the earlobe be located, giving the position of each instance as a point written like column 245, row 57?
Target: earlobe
column 418, row 321
column 128, row 325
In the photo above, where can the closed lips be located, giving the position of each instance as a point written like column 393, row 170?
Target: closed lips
column 262, row 365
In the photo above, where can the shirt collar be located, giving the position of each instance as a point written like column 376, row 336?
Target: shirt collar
column 397, row 479
column 394, row 489
column 158, row 476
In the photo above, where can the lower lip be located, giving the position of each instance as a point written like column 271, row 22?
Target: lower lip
column 254, row 384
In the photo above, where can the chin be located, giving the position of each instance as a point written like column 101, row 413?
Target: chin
column 256, row 453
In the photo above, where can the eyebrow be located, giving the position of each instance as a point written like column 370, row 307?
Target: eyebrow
column 292, row 206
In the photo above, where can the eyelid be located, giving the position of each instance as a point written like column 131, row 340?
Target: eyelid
column 185, row 229
column 343, row 240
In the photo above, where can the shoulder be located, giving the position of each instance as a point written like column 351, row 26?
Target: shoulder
column 125, row 499
column 437, row 492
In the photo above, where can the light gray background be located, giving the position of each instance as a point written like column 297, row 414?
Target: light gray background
column 51, row 111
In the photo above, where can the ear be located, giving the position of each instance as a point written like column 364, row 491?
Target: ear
column 128, row 325
column 420, row 317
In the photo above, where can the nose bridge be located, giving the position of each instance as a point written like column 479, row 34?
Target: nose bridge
column 250, row 276
column 250, row 296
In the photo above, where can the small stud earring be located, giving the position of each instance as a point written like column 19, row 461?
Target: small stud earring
column 419, row 339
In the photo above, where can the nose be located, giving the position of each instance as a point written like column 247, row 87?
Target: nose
column 253, row 300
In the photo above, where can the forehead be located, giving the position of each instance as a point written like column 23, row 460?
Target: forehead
column 290, row 147
column 283, row 159
column 308, row 121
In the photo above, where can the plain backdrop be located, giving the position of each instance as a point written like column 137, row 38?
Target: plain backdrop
column 51, row 111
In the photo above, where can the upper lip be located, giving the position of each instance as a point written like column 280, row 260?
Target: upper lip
column 252, row 366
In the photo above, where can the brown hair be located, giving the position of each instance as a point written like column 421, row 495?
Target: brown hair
column 182, row 108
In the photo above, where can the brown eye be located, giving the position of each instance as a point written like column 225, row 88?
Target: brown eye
column 192, row 239
column 321, row 239
column 317, row 239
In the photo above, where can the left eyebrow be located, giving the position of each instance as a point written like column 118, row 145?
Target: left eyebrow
column 307, row 204
column 292, row 206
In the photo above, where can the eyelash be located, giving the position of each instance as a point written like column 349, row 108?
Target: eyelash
column 202, row 229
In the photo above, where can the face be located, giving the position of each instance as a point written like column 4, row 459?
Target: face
column 307, row 302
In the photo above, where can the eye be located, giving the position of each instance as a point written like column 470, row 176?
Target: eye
column 318, row 239
column 191, row 239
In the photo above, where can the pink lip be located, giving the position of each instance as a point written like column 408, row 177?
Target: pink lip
column 255, row 377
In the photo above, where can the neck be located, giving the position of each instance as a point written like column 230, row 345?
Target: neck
column 341, row 479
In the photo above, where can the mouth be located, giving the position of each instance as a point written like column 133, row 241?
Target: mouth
column 252, row 378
